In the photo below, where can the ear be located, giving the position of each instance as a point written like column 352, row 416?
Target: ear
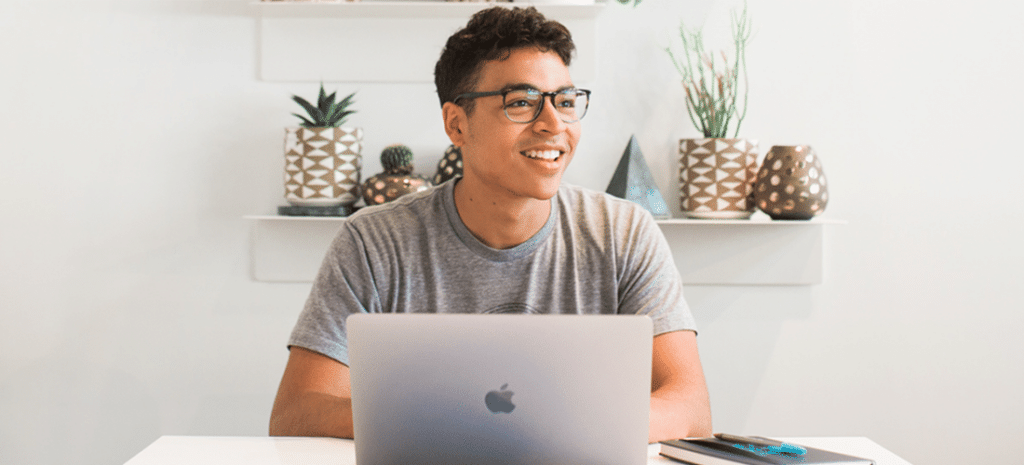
column 456, row 123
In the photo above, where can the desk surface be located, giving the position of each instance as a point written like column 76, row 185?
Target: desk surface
column 208, row 450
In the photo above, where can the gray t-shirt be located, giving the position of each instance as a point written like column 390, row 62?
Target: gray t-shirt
column 596, row 254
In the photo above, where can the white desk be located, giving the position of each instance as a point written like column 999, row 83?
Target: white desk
column 206, row 450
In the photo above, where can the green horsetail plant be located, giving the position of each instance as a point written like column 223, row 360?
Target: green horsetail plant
column 711, row 92
column 326, row 113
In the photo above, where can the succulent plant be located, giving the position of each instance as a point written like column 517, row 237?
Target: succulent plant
column 396, row 159
column 326, row 113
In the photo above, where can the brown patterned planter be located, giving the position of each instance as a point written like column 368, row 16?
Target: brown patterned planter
column 322, row 166
column 450, row 165
column 791, row 184
column 716, row 178
column 385, row 187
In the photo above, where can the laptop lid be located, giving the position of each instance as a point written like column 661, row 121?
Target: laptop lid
column 500, row 389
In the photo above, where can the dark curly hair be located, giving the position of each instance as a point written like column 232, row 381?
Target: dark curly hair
column 492, row 34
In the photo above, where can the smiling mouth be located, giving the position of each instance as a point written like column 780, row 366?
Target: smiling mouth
column 549, row 155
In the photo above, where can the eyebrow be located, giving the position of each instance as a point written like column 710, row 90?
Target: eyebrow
column 525, row 86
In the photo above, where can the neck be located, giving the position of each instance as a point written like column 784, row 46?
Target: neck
column 499, row 221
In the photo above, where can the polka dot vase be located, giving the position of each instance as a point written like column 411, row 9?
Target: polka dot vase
column 791, row 184
column 450, row 165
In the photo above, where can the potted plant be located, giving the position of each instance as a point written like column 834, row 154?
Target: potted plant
column 397, row 179
column 716, row 172
column 322, row 157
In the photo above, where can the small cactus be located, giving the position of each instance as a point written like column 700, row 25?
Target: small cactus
column 396, row 159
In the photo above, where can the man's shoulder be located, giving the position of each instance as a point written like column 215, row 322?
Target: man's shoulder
column 417, row 207
column 582, row 201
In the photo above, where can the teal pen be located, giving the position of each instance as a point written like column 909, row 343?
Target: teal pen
column 763, row 442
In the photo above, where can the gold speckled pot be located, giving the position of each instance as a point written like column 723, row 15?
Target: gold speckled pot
column 791, row 184
column 385, row 187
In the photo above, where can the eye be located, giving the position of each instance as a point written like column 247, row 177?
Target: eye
column 522, row 99
column 518, row 103
column 566, row 99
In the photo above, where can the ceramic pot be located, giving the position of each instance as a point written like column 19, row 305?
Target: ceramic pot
column 396, row 180
column 450, row 165
column 322, row 166
column 385, row 187
column 791, row 184
column 716, row 178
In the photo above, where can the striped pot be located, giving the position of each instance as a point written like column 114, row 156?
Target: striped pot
column 322, row 166
column 716, row 178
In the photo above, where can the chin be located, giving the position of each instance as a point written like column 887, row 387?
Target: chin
column 544, row 192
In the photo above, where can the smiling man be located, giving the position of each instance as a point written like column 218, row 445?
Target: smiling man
column 515, row 146
column 506, row 237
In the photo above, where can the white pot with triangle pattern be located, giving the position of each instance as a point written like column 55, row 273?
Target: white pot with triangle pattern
column 716, row 178
column 322, row 166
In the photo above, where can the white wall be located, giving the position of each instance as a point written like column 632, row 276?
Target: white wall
column 135, row 134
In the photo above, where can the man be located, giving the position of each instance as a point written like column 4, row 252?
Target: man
column 505, row 237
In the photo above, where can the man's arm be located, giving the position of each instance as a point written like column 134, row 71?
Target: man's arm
column 314, row 399
column 679, row 395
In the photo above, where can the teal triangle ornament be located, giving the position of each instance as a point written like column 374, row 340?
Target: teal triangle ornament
column 633, row 181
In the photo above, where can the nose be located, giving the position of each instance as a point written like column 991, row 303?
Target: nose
column 549, row 120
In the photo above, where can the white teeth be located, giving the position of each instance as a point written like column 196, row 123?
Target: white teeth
column 544, row 155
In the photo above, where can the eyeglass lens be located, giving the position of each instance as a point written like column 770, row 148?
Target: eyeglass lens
column 523, row 106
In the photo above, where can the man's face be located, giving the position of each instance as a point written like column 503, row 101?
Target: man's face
column 515, row 159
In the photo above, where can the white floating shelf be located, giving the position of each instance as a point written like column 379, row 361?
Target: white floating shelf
column 748, row 252
column 417, row 9
column 707, row 252
column 382, row 41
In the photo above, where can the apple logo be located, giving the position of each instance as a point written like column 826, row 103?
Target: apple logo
column 500, row 401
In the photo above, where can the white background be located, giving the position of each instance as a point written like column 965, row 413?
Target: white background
column 134, row 135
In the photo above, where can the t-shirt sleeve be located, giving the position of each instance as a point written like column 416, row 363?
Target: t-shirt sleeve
column 343, row 286
column 651, row 284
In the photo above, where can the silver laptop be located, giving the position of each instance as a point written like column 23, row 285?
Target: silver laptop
column 500, row 389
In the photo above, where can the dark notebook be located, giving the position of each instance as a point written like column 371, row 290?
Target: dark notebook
column 713, row 451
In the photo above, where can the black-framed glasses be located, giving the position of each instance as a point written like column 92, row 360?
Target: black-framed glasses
column 525, row 105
